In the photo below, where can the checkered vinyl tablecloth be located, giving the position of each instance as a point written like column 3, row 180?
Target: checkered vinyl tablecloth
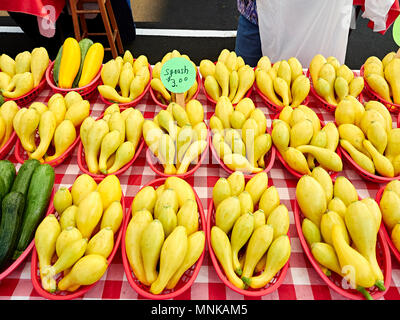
column 301, row 282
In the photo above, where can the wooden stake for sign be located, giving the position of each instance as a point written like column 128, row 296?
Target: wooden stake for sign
column 180, row 99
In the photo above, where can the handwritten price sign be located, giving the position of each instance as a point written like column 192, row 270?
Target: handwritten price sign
column 178, row 75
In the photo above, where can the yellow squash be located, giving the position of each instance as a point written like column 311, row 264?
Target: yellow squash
column 196, row 242
column 85, row 271
column 172, row 255
column 91, row 64
column 151, row 242
column 70, row 63
column 39, row 64
column 223, row 251
column 89, row 213
column 94, row 138
column 47, row 127
column 133, row 235
column 64, row 137
column 45, row 242
column 277, row 256
column 101, row 243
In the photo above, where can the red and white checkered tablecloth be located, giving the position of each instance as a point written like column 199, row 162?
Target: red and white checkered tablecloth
column 301, row 282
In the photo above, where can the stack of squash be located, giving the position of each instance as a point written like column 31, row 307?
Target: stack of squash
column 124, row 78
column 55, row 123
column 77, row 63
column 20, row 75
column 110, row 142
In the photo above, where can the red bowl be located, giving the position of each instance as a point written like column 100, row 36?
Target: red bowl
column 392, row 107
column 157, row 167
column 270, row 104
column 187, row 278
column 363, row 173
column 322, row 102
column 132, row 103
column 386, row 234
column 4, row 150
column 21, row 155
column 297, row 174
column 165, row 106
column 334, row 281
column 215, row 102
column 65, row 295
column 84, row 91
column 24, row 254
column 250, row 292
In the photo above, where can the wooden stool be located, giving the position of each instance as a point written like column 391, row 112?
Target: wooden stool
column 107, row 14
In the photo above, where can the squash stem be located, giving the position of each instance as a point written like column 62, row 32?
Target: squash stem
column 365, row 293
column 380, row 285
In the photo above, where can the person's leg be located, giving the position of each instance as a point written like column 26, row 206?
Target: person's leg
column 248, row 43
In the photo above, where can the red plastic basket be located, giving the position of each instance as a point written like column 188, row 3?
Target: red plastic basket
column 365, row 174
column 386, row 234
column 321, row 101
column 21, row 155
column 187, row 278
column 248, row 93
column 31, row 95
column 270, row 104
column 392, row 107
column 297, row 174
column 334, row 281
column 164, row 106
column 24, row 254
column 132, row 103
column 269, row 288
column 65, row 295
column 158, row 168
column 269, row 159
column 85, row 91
column 4, row 150
column 84, row 168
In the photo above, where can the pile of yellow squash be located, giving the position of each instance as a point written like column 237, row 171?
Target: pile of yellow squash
column 77, row 63
column 78, row 243
column 111, row 142
column 55, row 122
column 124, row 78
column 20, row 75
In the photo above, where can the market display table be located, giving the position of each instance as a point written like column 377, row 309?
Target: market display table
column 301, row 282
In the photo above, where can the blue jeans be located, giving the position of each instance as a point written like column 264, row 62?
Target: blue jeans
column 248, row 43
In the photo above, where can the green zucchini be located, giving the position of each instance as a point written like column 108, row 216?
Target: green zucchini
column 12, row 211
column 3, row 191
column 84, row 44
column 1, row 99
column 7, row 173
column 23, row 178
column 56, row 67
column 37, row 201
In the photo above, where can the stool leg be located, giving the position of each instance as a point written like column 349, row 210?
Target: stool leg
column 108, row 28
column 114, row 26
column 72, row 5
column 82, row 20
